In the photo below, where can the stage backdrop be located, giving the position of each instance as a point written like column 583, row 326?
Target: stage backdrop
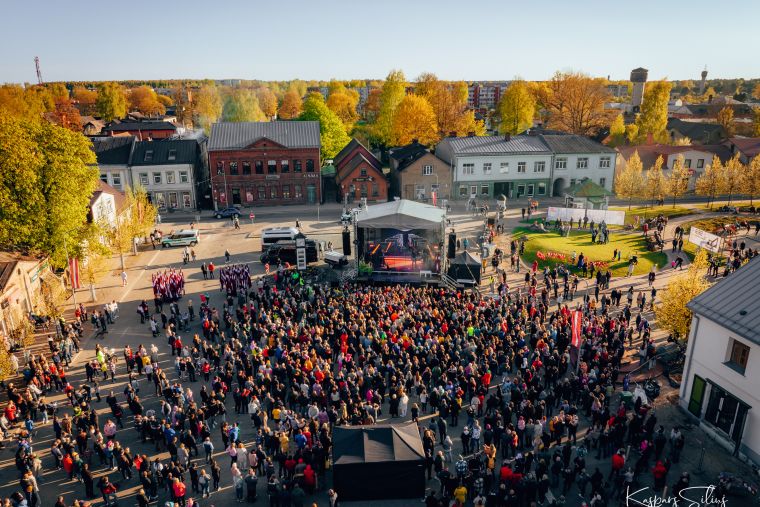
column 597, row 215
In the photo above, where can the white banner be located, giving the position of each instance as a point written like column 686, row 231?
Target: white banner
column 704, row 239
column 597, row 215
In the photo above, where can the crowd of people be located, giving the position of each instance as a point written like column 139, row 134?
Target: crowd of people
column 235, row 278
column 169, row 285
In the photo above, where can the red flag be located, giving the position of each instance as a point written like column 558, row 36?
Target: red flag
column 74, row 272
column 435, row 198
column 576, row 324
column 266, row 267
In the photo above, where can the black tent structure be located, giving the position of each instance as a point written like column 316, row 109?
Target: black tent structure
column 465, row 268
column 378, row 462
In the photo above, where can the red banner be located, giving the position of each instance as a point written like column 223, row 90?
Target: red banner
column 576, row 324
column 435, row 198
column 74, row 272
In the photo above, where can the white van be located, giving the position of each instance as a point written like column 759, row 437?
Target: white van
column 186, row 237
column 272, row 235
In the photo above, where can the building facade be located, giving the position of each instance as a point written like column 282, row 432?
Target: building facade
column 359, row 175
column 415, row 174
column 20, row 278
column 167, row 170
column 485, row 95
column 114, row 155
column 577, row 157
column 722, row 368
column 143, row 130
column 265, row 163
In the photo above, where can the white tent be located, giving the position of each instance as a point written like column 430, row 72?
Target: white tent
column 402, row 215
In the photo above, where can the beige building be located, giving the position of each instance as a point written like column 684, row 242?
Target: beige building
column 20, row 277
column 415, row 174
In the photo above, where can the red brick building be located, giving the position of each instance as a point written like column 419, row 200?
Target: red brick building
column 360, row 174
column 264, row 163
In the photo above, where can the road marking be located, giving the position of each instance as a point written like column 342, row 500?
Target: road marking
column 130, row 285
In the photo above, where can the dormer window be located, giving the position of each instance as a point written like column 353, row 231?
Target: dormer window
column 148, row 155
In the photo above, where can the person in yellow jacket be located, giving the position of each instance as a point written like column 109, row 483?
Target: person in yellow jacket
column 460, row 494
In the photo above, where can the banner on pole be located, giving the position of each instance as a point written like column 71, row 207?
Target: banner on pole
column 576, row 325
column 704, row 239
column 74, row 272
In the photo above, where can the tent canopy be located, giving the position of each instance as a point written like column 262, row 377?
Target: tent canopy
column 402, row 215
column 588, row 189
column 465, row 259
column 377, row 444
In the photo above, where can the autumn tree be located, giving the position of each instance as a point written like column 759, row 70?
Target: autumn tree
column 731, row 177
column 242, row 105
column 678, row 181
column 331, row 129
column 47, row 175
column 291, row 105
column 137, row 220
column 516, row 108
column 617, row 131
column 267, row 102
column 653, row 118
column 112, row 101
column 85, row 99
column 66, row 115
column 372, row 104
column 756, row 91
column 656, row 184
column 751, row 179
column 414, row 119
column 755, row 132
column 343, row 102
column 672, row 312
column 726, row 120
column 145, row 100
column 575, row 103
column 183, row 107
column 19, row 102
column 206, row 106
column 631, row 132
column 629, row 181
column 393, row 92
column 449, row 103
column 708, row 183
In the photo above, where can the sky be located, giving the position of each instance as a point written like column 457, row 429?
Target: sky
column 359, row 39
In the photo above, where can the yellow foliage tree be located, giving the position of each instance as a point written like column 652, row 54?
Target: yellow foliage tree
column 678, row 181
column 708, row 183
column 414, row 118
column 267, row 102
column 672, row 313
column 343, row 104
column 617, row 131
column 393, row 92
column 656, row 184
column 726, row 120
column 629, row 181
column 751, row 184
column 291, row 105
column 731, row 177
column 575, row 103
column 517, row 108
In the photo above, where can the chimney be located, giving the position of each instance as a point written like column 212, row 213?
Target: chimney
column 471, row 134
column 415, row 140
column 507, row 137
column 452, row 134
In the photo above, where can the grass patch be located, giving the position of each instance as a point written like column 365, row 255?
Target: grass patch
column 712, row 225
column 652, row 211
column 580, row 242
column 717, row 204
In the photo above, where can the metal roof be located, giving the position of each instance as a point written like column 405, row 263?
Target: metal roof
column 113, row 150
column 184, row 152
column 572, row 143
column 291, row 134
column 141, row 125
column 496, row 145
column 733, row 302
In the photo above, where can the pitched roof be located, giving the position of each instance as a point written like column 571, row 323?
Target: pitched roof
column 733, row 302
column 140, row 125
column 118, row 196
column 407, row 155
column 695, row 130
column 8, row 262
column 648, row 153
column 494, row 145
column 588, row 189
column 184, row 151
column 749, row 146
column 350, row 148
column 378, row 443
column 113, row 150
column 402, row 214
column 572, row 143
column 357, row 160
column 291, row 134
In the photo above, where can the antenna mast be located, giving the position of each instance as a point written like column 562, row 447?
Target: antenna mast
column 39, row 72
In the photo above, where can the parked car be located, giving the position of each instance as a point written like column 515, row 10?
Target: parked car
column 187, row 237
column 227, row 213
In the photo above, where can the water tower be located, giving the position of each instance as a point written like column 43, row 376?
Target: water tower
column 703, row 82
column 639, row 80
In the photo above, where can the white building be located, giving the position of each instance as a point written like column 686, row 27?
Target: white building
column 578, row 157
column 114, row 154
column 722, row 370
column 166, row 169
column 485, row 167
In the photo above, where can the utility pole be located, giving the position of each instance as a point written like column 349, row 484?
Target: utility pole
column 39, row 72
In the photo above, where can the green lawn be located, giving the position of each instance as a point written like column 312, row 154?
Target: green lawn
column 580, row 242
column 723, row 202
column 652, row 211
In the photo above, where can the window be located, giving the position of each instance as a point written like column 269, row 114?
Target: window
column 186, row 200
column 258, row 166
column 427, row 170
column 487, row 168
column 170, row 177
column 560, row 163
column 737, row 361
column 246, row 168
column 284, row 166
column 298, row 193
column 375, row 190
column 468, row 168
column 148, row 156
column 364, row 190
column 116, row 180
column 520, row 190
column 542, row 189
column 144, row 179
column 539, row 167
column 233, row 168
column 504, row 167
column 286, row 191
column 262, row 193
column 687, row 163
column 604, row 162
column 220, row 167
column 310, row 166
column 297, row 166
column 521, row 167
column 157, row 178
column 473, row 190
column 272, row 167
column 172, row 155
column 104, row 178
column 463, row 191
column 363, row 172
column 419, row 191
column 700, row 163
column 602, row 181
column 273, row 192
column 484, row 190
column 183, row 177
column 582, row 163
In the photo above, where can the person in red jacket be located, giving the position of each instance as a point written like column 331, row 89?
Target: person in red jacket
column 179, row 489
column 618, row 462
column 660, row 473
